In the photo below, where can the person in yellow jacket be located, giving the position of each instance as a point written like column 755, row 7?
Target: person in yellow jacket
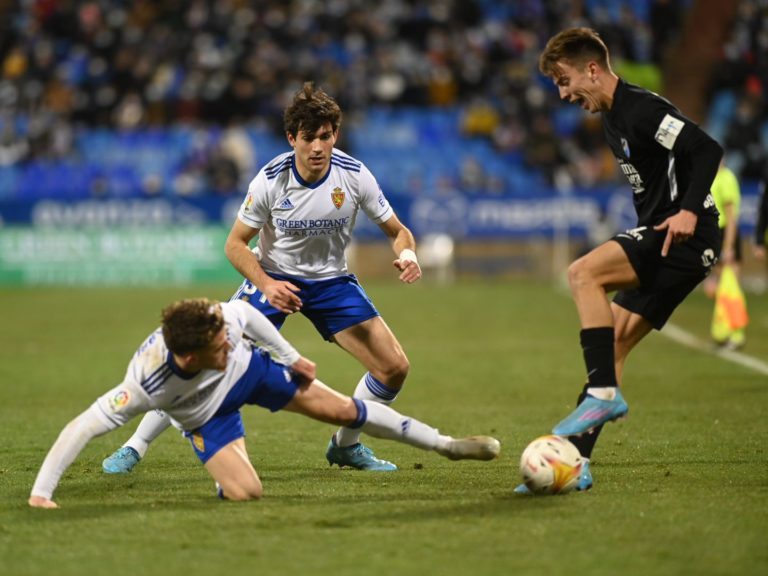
column 729, row 321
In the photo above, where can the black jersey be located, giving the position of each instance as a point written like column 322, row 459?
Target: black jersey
column 658, row 151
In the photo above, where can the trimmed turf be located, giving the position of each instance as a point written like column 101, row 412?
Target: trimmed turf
column 681, row 487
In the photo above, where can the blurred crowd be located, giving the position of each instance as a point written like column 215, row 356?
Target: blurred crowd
column 224, row 67
column 741, row 82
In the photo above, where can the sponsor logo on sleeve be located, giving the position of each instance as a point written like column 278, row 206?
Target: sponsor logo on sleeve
column 119, row 400
column 668, row 131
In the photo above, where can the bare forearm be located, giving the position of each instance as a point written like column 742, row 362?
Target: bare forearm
column 403, row 241
column 244, row 261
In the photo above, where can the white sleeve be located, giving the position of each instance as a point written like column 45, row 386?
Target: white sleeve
column 109, row 411
column 258, row 328
column 372, row 199
column 254, row 211
column 69, row 444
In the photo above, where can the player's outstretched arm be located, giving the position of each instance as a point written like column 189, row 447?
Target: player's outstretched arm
column 71, row 441
column 258, row 328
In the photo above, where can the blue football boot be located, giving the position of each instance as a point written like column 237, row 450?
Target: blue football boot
column 121, row 461
column 590, row 414
column 584, row 484
column 356, row 456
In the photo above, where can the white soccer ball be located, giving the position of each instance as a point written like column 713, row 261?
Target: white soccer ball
column 551, row 465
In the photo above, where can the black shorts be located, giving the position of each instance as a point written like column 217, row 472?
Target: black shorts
column 665, row 282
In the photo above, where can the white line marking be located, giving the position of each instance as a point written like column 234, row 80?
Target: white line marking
column 685, row 338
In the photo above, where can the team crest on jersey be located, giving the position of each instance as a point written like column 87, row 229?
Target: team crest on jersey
column 119, row 400
column 338, row 197
column 197, row 440
column 625, row 147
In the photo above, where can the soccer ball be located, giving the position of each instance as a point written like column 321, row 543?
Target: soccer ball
column 551, row 465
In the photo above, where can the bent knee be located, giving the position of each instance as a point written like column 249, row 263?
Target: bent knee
column 579, row 272
column 395, row 373
column 240, row 493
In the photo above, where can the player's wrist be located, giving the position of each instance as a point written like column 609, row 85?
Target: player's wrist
column 408, row 254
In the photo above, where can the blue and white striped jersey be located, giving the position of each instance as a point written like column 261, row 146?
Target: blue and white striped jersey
column 153, row 381
column 306, row 227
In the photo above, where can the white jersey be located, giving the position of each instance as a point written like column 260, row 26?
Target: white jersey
column 306, row 227
column 153, row 381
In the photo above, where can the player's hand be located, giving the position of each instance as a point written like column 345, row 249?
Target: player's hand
column 305, row 369
column 679, row 227
column 282, row 295
column 759, row 251
column 40, row 502
column 410, row 270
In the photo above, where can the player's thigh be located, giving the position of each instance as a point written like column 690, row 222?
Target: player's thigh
column 323, row 403
column 233, row 471
column 608, row 265
column 374, row 345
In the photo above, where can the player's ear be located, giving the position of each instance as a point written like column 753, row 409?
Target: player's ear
column 592, row 70
column 291, row 139
column 188, row 361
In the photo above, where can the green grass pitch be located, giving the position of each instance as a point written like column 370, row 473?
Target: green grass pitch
column 681, row 486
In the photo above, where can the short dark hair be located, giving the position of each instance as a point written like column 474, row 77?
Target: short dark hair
column 576, row 47
column 310, row 109
column 191, row 325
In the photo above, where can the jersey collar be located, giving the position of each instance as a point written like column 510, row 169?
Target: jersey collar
column 300, row 180
column 178, row 371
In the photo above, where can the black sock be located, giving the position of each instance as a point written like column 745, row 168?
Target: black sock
column 597, row 345
column 586, row 442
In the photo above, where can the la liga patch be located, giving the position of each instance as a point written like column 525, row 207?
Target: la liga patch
column 119, row 400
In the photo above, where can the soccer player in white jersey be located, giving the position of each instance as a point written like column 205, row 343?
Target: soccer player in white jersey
column 303, row 205
column 201, row 367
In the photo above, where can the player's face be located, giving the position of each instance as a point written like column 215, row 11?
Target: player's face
column 578, row 86
column 215, row 355
column 313, row 152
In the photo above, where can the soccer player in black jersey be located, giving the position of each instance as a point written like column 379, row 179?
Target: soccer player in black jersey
column 670, row 164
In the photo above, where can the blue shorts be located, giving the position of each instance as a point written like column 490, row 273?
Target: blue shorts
column 331, row 305
column 266, row 383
